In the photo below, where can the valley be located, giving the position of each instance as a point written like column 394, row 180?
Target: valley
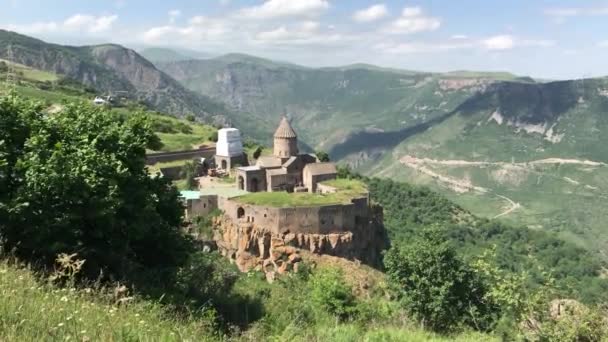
column 473, row 136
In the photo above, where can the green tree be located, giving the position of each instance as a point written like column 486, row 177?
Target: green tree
column 257, row 153
column 437, row 287
column 330, row 292
column 76, row 182
column 213, row 137
column 3, row 67
column 322, row 156
column 190, row 117
column 190, row 171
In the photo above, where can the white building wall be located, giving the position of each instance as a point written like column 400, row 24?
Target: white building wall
column 229, row 143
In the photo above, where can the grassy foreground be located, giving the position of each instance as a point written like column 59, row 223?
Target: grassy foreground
column 35, row 311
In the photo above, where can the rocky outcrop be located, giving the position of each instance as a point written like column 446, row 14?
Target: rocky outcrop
column 110, row 68
column 253, row 247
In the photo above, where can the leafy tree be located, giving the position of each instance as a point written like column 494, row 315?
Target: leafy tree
column 330, row 292
column 190, row 117
column 3, row 67
column 437, row 287
column 190, row 171
column 257, row 152
column 322, row 156
column 213, row 137
column 76, row 182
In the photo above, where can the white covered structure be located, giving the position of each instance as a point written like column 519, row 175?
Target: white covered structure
column 229, row 143
column 229, row 149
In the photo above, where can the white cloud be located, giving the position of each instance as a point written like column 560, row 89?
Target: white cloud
column 576, row 11
column 286, row 8
column 420, row 47
column 306, row 33
column 78, row 23
column 501, row 42
column 603, row 43
column 198, row 29
column 413, row 20
column 372, row 13
column 507, row 42
column 495, row 43
column 173, row 15
column 459, row 36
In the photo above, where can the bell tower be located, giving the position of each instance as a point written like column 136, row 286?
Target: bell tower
column 285, row 140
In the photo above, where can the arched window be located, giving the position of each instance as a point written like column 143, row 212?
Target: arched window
column 241, row 183
column 254, row 185
column 224, row 165
column 240, row 212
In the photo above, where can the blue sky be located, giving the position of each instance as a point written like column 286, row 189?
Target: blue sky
column 549, row 39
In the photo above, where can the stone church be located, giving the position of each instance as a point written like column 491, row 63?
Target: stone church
column 287, row 169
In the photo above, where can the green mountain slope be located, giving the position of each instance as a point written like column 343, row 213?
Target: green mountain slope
column 327, row 105
column 109, row 69
column 526, row 153
column 374, row 118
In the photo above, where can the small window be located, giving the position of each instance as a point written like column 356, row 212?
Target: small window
column 204, row 205
column 265, row 215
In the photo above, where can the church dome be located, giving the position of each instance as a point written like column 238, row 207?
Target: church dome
column 285, row 130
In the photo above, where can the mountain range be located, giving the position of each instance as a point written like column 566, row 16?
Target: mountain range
column 502, row 145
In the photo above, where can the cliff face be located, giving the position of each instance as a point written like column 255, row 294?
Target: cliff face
column 253, row 247
column 110, row 68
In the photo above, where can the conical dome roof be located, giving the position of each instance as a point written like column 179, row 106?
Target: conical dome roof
column 285, row 130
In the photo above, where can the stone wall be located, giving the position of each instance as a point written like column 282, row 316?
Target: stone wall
column 164, row 157
column 307, row 220
column 251, row 245
column 201, row 206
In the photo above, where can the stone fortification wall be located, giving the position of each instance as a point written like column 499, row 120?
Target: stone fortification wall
column 252, row 246
column 201, row 206
column 164, row 157
column 305, row 220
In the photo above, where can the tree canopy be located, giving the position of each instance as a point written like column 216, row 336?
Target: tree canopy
column 75, row 181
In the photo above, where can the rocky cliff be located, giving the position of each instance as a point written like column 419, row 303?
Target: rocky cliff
column 110, row 68
column 253, row 247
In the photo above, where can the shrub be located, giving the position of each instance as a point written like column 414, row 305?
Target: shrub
column 76, row 181
column 329, row 291
column 322, row 156
column 437, row 287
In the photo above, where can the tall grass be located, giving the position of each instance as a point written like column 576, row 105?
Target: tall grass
column 35, row 310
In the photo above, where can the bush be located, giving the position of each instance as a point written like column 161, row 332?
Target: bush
column 435, row 286
column 322, row 156
column 76, row 181
column 329, row 291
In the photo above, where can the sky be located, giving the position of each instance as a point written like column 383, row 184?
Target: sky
column 552, row 39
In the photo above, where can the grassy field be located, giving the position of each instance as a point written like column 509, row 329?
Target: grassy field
column 350, row 185
column 31, row 74
column 284, row 199
column 32, row 310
